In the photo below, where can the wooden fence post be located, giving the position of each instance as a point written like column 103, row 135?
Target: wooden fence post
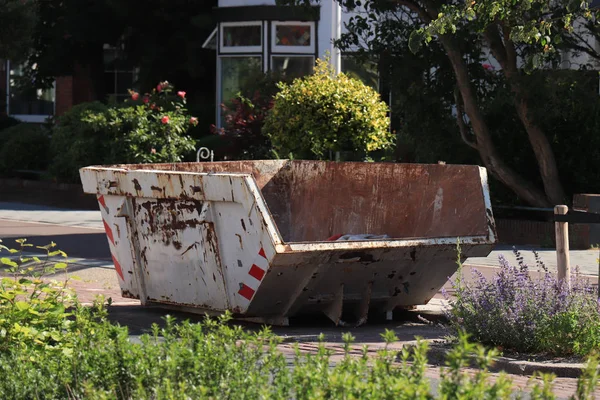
column 562, row 247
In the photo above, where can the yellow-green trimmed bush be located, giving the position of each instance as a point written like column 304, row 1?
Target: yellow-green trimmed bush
column 324, row 113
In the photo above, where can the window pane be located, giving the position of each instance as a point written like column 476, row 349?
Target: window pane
column 365, row 71
column 293, row 66
column 28, row 101
column 234, row 36
column 292, row 35
column 237, row 73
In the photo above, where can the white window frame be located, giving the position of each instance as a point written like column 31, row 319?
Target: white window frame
column 30, row 118
column 208, row 42
column 295, row 55
column 293, row 49
column 240, row 49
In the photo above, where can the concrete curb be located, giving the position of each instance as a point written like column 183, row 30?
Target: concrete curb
column 437, row 356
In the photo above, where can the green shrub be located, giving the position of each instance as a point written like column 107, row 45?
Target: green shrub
column 7, row 122
column 33, row 312
column 24, row 147
column 148, row 128
column 76, row 142
column 324, row 113
column 52, row 347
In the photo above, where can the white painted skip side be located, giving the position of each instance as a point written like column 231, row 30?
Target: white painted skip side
column 200, row 240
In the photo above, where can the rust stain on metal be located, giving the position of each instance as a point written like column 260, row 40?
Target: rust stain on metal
column 127, row 294
column 243, row 225
column 240, row 240
column 191, row 246
column 143, row 255
column 136, row 185
column 196, row 189
column 156, row 188
column 362, row 257
column 177, row 244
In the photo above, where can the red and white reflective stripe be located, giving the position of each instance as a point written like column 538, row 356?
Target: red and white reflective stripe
column 110, row 236
column 246, row 291
column 102, row 203
column 257, row 273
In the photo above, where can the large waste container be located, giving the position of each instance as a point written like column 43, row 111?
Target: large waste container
column 258, row 238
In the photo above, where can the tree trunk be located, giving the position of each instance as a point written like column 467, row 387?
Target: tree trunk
column 524, row 189
column 543, row 153
column 504, row 51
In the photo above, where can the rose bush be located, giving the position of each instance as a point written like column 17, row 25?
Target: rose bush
column 145, row 129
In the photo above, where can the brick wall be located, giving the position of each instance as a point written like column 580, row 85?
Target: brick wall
column 64, row 94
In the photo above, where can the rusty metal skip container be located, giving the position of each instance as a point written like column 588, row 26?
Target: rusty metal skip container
column 251, row 237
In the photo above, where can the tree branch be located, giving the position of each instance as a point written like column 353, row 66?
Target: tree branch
column 586, row 47
column 509, row 46
column 492, row 36
column 462, row 126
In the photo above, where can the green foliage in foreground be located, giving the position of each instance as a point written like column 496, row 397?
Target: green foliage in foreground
column 84, row 356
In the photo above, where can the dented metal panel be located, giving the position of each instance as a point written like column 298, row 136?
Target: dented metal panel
column 251, row 236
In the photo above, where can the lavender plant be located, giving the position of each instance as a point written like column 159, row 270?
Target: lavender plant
column 516, row 311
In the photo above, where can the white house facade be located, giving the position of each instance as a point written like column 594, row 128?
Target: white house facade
column 257, row 36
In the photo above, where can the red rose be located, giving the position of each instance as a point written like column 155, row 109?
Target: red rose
column 135, row 96
column 159, row 87
column 181, row 94
column 165, row 120
column 194, row 121
column 145, row 99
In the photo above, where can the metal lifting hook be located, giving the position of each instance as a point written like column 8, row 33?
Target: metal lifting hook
column 204, row 153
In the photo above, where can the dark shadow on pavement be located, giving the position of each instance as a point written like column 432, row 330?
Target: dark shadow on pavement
column 80, row 245
column 139, row 320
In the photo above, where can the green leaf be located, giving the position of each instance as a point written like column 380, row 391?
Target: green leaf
column 61, row 265
column 415, row 41
column 56, row 253
column 22, row 305
column 7, row 296
column 9, row 262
